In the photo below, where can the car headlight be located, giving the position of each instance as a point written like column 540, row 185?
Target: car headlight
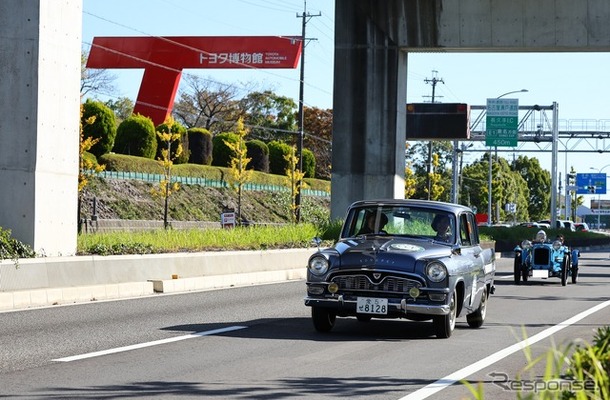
column 318, row 265
column 526, row 244
column 436, row 271
column 556, row 245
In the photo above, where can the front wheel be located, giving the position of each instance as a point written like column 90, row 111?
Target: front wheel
column 517, row 270
column 445, row 324
column 323, row 319
column 574, row 274
column 476, row 319
column 564, row 271
column 525, row 275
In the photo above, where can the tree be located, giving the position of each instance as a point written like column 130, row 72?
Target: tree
column 295, row 180
column 207, row 104
column 318, row 127
column 436, row 188
column 122, row 107
column 86, row 161
column 269, row 116
column 507, row 187
column 94, row 80
column 167, row 136
column 416, row 154
column 539, row 184
column 103, row 128
column 182, row 141
column 238, row 167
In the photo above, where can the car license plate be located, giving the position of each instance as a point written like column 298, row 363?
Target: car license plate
column 369, row 305
column 540, row 273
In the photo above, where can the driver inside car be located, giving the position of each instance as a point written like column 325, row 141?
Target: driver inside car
column 369, row 224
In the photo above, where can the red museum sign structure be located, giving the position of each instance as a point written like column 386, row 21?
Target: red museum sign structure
column 164, row 58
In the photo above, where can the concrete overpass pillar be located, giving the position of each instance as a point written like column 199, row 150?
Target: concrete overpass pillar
column 40, row 46
column 369, row 110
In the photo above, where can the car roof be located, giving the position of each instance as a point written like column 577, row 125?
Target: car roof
column 442, row 206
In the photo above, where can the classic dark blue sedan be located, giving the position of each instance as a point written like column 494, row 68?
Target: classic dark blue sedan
column 414, row 259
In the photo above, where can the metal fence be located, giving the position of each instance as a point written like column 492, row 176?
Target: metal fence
column 186, row 180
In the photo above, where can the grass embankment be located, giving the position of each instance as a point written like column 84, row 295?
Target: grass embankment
column 172, row 241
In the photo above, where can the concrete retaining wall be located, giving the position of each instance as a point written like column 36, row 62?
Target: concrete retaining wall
column 63, row 280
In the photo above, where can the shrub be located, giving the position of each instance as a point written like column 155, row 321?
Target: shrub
column 200, row 146
column 136, row 136
column 103, row 128
column 258, row 152
column 179, row 129
column 309, row 163
column 221, row 153
column 277, row 153
column 90, row 158
column 11, row 248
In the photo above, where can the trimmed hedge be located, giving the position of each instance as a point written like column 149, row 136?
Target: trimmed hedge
column 136, row 136
column 200, row 146
column 258, row 152
column 103, row 128
column 221, row 153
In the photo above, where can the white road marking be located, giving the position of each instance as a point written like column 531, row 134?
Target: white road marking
column 149, row 344
column 463, row 373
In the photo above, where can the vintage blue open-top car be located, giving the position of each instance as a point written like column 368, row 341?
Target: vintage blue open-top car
column 414, row 259
column 542, row 258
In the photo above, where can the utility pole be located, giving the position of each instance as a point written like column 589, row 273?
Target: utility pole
column 434, row 81
column 306, row 17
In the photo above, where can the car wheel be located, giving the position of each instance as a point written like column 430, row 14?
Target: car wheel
column 564, row 271
column 444, row 324
column 323, row 319
column 517, row 270
column 476, row 319
column 574, row 274
column 363, row 317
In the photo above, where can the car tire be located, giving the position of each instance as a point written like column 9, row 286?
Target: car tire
column 323, row 319
column 564, row 270
column 517, row 270
column 445, row 324
column 476, row 319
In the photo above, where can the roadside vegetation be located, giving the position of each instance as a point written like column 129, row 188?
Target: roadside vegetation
column 170, row 241
column 576, row 371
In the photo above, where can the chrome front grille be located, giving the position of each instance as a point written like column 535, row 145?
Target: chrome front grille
column 386, row 284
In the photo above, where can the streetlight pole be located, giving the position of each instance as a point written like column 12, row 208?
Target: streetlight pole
column 489, row 187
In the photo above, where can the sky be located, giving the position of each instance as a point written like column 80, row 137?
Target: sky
column 577, row 82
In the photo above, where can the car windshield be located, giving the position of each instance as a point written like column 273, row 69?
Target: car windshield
column 401, row 221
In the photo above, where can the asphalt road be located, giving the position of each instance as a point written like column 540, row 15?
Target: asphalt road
column 258, row 343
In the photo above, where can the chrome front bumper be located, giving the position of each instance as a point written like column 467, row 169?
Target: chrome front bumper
column 349, row 306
